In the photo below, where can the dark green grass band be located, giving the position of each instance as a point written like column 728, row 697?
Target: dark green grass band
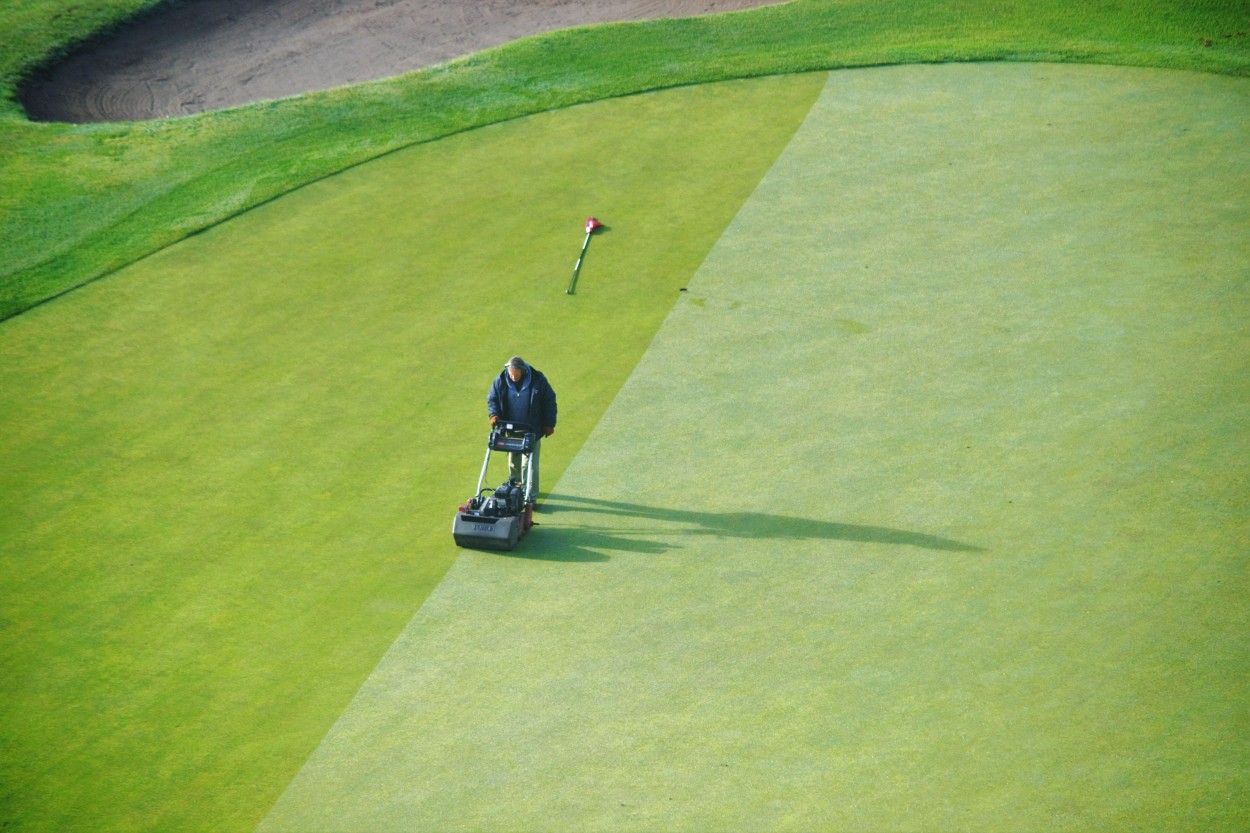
column 84, row 201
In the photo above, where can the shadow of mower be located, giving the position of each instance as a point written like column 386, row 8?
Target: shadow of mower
column 585, row 543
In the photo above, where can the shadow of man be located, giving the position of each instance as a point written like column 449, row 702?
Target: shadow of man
column 746, row 525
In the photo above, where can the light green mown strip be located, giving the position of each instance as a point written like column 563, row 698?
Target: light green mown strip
column 227, row 477
column 924, row 511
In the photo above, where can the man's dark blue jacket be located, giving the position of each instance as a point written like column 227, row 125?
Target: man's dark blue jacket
column 532, row 402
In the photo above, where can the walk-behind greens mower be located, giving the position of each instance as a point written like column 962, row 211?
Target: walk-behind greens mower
column 495, row 519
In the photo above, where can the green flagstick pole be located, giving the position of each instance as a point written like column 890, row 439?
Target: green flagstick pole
column 591, row 225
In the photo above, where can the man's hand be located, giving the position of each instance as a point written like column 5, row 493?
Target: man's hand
column 549, row 430
column 494, row 420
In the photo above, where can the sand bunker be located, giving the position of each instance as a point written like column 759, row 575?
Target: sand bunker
column 207, row 54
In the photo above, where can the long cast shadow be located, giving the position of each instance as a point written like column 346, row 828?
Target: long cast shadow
column 584, row 543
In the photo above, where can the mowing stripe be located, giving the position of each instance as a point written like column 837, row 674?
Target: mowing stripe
column 924, row 510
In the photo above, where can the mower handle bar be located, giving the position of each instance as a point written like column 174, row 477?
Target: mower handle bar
column 500, row 428
column 520, row 427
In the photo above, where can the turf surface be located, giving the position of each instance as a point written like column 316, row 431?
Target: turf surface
column 83, row 201
column 924, row 510
column 228, row 473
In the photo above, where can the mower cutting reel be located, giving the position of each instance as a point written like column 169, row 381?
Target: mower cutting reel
column 495, row 519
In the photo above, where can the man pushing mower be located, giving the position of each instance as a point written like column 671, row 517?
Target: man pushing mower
column 521, row 394
column 522, row 410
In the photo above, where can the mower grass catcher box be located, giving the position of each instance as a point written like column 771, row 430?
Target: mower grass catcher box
column 495, row 519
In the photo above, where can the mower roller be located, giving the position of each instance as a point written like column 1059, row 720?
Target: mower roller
column 495, row 519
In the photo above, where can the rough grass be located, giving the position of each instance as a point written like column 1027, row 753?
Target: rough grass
column 83, row 201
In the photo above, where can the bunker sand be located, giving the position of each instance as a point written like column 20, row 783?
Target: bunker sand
column 206, row 55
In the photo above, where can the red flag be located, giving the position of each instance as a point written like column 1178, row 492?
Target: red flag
column 592, row 224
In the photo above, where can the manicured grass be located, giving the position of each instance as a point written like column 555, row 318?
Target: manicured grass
column 925, row 509
column 82, row 201
column 231, row 470
column 228, row 502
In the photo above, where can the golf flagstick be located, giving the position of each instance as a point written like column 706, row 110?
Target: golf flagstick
column 591, row 225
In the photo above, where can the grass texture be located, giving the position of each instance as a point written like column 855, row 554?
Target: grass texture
column 924, row 510
column 226, row 471
column 82, row 201
column 228, row 475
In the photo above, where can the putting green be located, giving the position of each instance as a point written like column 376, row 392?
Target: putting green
column 227, row 473
column 925, row 509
